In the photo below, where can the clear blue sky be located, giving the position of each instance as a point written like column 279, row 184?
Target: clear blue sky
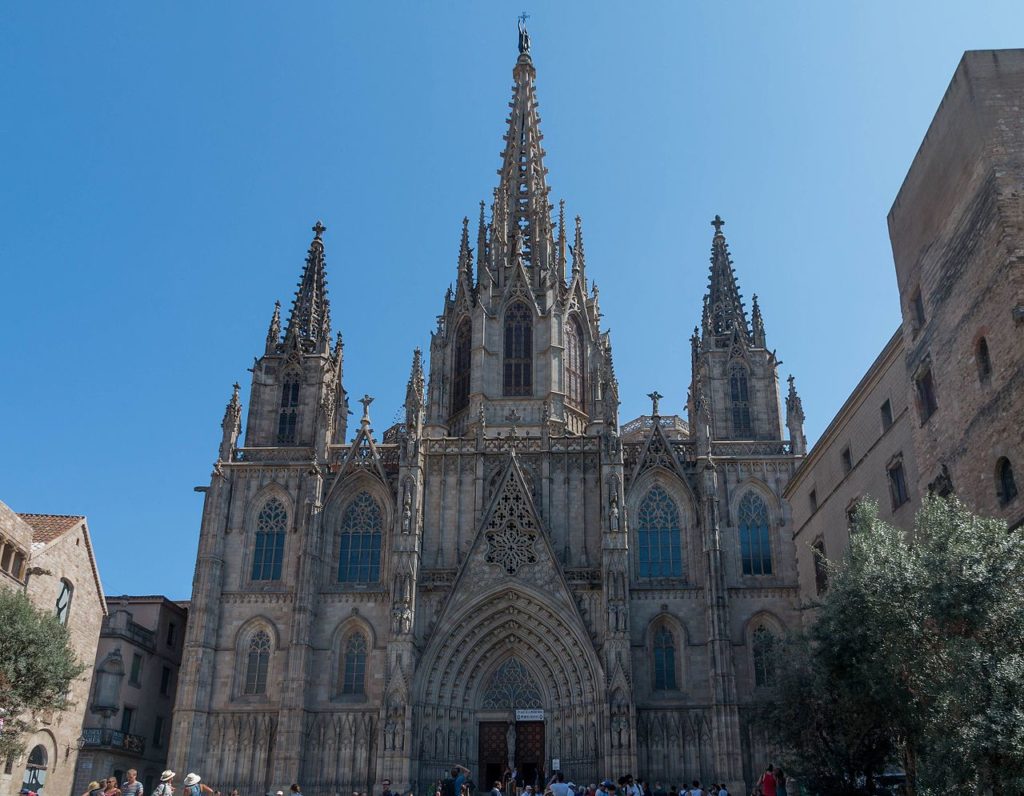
column 163, row 163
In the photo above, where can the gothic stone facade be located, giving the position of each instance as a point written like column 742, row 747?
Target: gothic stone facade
column 382, row 608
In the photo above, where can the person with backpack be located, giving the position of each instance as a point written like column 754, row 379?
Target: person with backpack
column 193, row 786
column 165, row 788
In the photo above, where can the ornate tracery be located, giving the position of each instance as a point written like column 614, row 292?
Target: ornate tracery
column 511, row 687
column 658, row 534
column 268, row 555
column 755, row 539
column 360, row 541
column 518, row 372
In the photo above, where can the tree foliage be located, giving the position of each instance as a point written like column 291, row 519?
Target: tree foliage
column 37, row 666
column 916, row 655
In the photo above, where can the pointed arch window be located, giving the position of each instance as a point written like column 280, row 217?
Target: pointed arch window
column 353, row 672
column 755, row 539
column 740, row 398
column 518, row 375
column 574, row 392
column 984, row 360
column 820, row 566
column 271, row 524
column 1006, row 486
column 664, row 660
column 64, row 601
column 461, row 366
column 659, row 537
column 287, row 419
column 34, row 778
column 762, row 648
column 257, row 663
column 360, row 542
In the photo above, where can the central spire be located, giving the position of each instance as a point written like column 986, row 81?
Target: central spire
column 309, row 323
column 522, row 213
column 723, row 308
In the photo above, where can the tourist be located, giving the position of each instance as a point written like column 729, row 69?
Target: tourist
column 386, row 785
column 194, row 786
column 722, row 790
column 165, row 788
column 497, row 789
column 780, row 782
column 92, row 789
column 658, row 790
column 559, row 787
column 131, row 786
column 768, row 782
column 295, row 789
column 110, row 787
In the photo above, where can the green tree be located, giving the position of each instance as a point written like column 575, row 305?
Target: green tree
column 916, row 655
column 37, row 666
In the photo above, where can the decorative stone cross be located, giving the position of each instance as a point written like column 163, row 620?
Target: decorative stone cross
column 523, row 17
column 319, row 229
column 513, row 417
column 366, row 400
column 718, row 223
column 655, row 397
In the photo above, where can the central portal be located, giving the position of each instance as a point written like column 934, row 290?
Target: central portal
column 522, row 741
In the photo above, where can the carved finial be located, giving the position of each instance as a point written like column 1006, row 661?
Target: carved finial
column 524, row 35
column 366, row 400
column 717, row 223
column 655, row 397
column 319, row 229
column 513, row 417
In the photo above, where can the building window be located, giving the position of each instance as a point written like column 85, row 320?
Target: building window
column 917, row 308
column 359, row 546
column 158, row 732
column 64, row 601
column 127, row 716
column 925, row 387
column 886, row 416
column 847, row 458
column 16, row 566
column 1006, row 487
column 851, row 516
column 574, row 393
column 518, row 377
column 165, row 681
column 658, row 536
column 353, row 678
column 271, row 524
column 984, row 361
column 898, row 483
column 664, row 660
column 171, row 628
column 35, row 771
column 820, row 566
column 6, row 554
column 135, row 677
column 461, row 357
column 755, row 543
column 812, row 498
column 740, row 404
column 257, row 663
column 288, row 417
column 763, row 653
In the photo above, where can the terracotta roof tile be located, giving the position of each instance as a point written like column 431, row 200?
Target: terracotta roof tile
column 47, row 527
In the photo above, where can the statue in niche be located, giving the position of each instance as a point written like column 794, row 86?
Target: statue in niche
column 613, row 512
column 510, row 743
column 407, row 511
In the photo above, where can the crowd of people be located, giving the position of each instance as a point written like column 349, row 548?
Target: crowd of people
column 192, row 785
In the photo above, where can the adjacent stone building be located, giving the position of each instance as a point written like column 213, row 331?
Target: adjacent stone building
column 128, row 721
column 59, row 575
column 505, row 577
column 957, row 231
column 867, row 451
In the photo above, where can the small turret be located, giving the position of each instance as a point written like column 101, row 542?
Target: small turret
column 579, row 258
column 757, row 324
column 414, row 395
column 231, row 426
column 795, row 420
column 274, row 332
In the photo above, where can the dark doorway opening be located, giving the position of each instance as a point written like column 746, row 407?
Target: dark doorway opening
column 493, row 756
column 530, row 753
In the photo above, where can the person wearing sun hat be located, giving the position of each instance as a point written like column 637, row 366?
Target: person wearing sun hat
column 166, row 787
column 194, row 785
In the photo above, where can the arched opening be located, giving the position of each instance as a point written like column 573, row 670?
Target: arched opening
column 740, row 397
column 762, row 649
column 518, row 371
column 574, row 369
column 658, row 536
column 353, row 670
column 35, row 770
column 64, row 601
column 755, row 540
column 1006, row 486
column 287, row 420
column 461, row 366
column 268, row 555
column 984, row 361
column 664, row 660
column 257, row 663
column 359, row 542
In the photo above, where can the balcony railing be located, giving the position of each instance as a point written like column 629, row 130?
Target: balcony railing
column 113, row 739
column 119, row 624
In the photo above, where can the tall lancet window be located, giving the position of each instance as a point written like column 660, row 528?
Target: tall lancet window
column 755, row 542
column 257, row 663
column 658, row 535
column 353, row 670
column 359, row 545
column 740, row 404
column 763, row 652
column 664, row 660
column 574, row 364
column 268, row 556
column 518, row 350
column 461, row 366
column 288, row 418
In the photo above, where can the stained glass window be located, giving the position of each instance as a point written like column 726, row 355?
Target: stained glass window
column 658, row 535
column 740, row 404
column 763, row 651
column 574, row 393
column 288, row 417
column 257, row 663
column 461, row 370
column 664, row 660
column 359, row 546
column 518, row 376
column 271, row 525
column 755, row 542
column 512, row 687
column 353, row 679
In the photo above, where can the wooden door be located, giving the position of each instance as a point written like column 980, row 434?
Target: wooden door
column 530, row 752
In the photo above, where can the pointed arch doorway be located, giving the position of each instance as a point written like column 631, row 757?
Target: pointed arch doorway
column 511, row 726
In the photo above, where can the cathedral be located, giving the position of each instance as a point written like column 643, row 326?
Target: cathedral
column 509, row 577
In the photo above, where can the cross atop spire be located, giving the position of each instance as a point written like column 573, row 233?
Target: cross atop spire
column 309, row 323
column 717, row 223
column 723, row 305
column 524, row 35
column 366, row 400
